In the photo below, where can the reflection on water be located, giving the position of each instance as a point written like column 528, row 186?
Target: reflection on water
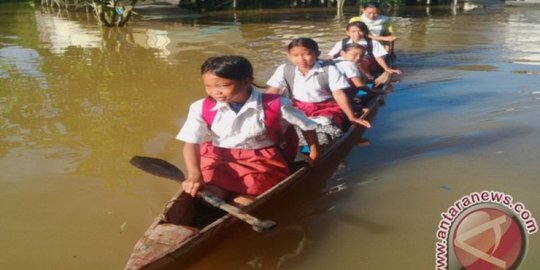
column 158, row 39
column 519, row 37
column 58, row 33
column 24, row 62
column 53, row 160
column 77, row 101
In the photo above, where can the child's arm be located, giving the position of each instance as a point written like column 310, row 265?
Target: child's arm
column 344, row 103
column 383, row 38
column 277, row 82
column 358, row 83
column 386, row 68
column 335, row 50
column 273, row 90
column 311, row 139
column 192, row 161
column 386, row 34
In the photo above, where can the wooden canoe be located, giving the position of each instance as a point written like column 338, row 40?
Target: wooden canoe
column 213, row 224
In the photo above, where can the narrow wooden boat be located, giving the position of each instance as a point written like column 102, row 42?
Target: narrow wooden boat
column 213, row 224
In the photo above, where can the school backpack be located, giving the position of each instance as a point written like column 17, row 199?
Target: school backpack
column 287, row 140
column 322, row 77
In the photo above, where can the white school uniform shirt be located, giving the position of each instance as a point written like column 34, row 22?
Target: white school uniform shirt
column 377, row 26
column 307, row 88
column 348, row 68
column 378, row 48
column 242, row 130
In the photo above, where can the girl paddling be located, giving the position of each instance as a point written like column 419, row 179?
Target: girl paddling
column 243, row 158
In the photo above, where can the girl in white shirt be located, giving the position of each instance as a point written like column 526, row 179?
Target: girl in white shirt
column 305, row 87
column 357, row 32
column 242, row 158
column 349, row 64
column 380, row 26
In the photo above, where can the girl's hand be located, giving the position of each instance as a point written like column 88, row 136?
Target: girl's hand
column 394, row 71
column 388, row 38
column 361, row 122
column 191, row 185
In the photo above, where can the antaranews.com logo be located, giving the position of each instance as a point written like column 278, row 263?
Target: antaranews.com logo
column 483, row 230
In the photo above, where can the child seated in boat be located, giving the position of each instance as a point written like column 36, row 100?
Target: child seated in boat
column 380, row 26
column 243, row 158
column 348, row 63
column 315, row 87
column 375, row 62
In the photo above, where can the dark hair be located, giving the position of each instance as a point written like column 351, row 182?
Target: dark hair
column 304, row 42
column 232, row 67
column 371, row 5
column 362, row 26
column 353, row 45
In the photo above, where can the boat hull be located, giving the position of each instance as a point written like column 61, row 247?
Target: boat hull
column 193, row 248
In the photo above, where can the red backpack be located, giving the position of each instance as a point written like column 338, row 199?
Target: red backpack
column 286, row 140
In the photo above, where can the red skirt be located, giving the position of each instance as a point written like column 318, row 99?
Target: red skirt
column 328, row 109
column 242, row 171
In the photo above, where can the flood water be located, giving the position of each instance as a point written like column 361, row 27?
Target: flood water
column 78, row 101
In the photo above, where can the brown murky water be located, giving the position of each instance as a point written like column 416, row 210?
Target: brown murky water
column 77, row 102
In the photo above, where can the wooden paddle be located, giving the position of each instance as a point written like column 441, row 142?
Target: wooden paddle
column 165, row 169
